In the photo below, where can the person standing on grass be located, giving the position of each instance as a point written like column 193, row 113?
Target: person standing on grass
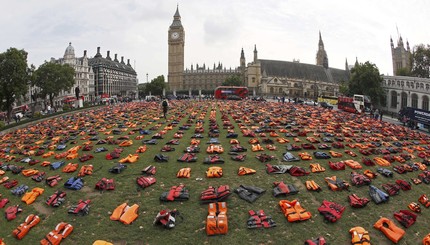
column 165, row 106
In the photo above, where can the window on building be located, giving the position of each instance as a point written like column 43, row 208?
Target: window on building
column 414, row 101
column 253, row 80
column 425, row 103
column 404, row 100
column 271, row 90
column 422, row 85
column 393, row 99
column 427, row 86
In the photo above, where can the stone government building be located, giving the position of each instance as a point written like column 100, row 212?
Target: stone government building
column 261, row 76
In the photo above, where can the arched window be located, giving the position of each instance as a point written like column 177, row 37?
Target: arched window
column 393, row 99
column 404, row 100
column 425, row 103
column 422, row 85
column 427, row 86
column 414, row 100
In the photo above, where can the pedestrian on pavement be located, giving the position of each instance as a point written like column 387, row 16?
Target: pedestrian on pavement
column 165, row 106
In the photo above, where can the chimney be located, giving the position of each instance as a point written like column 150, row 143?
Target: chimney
column 108, row 55
column 98, row 53
column 122, row 60
column 85, row 53
column 128, row 62
column 116, row 58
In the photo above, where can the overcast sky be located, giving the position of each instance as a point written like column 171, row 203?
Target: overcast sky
column 216, row 31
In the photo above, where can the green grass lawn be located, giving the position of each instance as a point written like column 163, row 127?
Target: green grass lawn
column 191, row 230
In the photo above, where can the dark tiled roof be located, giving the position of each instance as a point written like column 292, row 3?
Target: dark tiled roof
column 98, row 60
column 276, row 68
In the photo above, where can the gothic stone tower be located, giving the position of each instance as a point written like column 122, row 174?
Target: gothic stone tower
column 176, row 41
column 401, row 57
column 322, row 59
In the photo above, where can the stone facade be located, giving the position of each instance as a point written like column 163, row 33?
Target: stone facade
column 406, row 92
column 203, row 78
column 84, row 76
column 113, row 77
column 176, row 43
column 401, row 57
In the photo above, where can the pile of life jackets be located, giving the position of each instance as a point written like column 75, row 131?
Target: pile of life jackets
column 167, row 218
column 61, row 231
column 188, row 157
column 359, row 236
column 31, row 196
column 390, row 230
column 331, row 211
column 359, row 179
column 245, row 171
column 293, row 211
column 56, row 199
column 125, row 213
column 249, row 193
column 357, row 202
column 176, row 193
column 214, row 172
column 311, row 185
column 74, row 183
column 259, row 219
column 215, row 194
column 105, row 184
column 82, row 208
column 318, row 241
column 336, row 184
column 216, row 221
column 377, row 195
column 280, row 188
column 22, row 230
column 85, row 170
column 405, row 217
column 184, row 173
column 145, row 181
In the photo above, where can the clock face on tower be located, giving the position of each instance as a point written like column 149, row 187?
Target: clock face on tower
column 175, row 35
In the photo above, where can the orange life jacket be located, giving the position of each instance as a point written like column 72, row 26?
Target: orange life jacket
column 30, row 197
column 305, row 156
column 316, row 168
column 216, row 222
column 22, row 230
column 390, row 230
column 257, row 147
column 184, row 173
column 293, row 211
column 359, row 236
column 70, row 167
column 245, row 171
column 312, row 186
column 29, row 172
column 61, row 231
column 85, row 170
column 124, row 213
column 214, row 172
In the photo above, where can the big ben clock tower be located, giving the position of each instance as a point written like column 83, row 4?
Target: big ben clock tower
column 176, row 41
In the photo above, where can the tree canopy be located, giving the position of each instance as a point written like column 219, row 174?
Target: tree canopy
column 52, row 78
column 14, row 77
column 156, row 86
column 366, row 80
column 421, row 61
column 233, row 80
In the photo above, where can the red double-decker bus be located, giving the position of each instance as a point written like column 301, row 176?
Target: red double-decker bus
column 231, row 92
column 356, row 104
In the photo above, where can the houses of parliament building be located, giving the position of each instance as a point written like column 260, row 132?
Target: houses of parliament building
column 261, row 76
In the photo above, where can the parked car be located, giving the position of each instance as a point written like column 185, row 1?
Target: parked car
column 310, row 102
column 326, row 105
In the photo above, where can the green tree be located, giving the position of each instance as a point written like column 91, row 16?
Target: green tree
column 421, row 61
column 156, row 85
column 403, row 72
column 141, row 87
column 366, row 79
column 233, row 80
column 52, row 78
column 14, row 77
